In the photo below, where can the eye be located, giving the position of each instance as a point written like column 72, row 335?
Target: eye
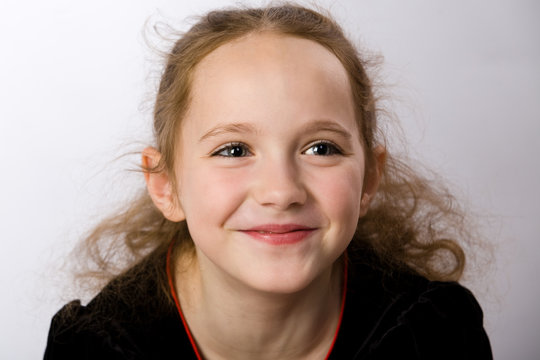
column 323, row 148
column 232, row 150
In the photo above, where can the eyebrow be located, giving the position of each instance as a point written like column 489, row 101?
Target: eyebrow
column 314, row 126
column 328, row 125
column 235, row 128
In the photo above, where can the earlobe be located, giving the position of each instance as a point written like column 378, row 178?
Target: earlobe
column 160, row 186
column 373, row 179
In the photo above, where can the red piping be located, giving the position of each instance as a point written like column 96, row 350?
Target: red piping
column 173, row 293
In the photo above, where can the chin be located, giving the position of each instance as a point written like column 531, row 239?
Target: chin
column 283, row 282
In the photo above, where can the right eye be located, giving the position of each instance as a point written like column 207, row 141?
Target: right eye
column 233, row 150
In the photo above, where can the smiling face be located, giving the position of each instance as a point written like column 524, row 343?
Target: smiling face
column 270, row 166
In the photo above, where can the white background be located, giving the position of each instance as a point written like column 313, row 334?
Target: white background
column 76, row 83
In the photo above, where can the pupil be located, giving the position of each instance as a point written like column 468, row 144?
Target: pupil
column 322, row 149
column 236, row 151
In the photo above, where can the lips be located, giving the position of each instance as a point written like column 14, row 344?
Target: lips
column 279, row 234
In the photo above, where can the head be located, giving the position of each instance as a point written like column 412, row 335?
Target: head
column 411, row 224
column 279, row 54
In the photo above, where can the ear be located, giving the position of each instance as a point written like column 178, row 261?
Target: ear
column 160, row 187
column 372, row 179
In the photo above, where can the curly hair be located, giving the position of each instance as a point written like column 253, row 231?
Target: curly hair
column 413, row 222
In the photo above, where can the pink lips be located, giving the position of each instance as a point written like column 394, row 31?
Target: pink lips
column 279, row 234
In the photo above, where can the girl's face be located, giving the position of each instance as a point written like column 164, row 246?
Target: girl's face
column 270, row 167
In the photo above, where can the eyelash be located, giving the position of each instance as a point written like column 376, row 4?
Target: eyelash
column 231, row 146
column 332, row 148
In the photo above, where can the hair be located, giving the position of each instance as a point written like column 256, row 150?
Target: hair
column 413, row 222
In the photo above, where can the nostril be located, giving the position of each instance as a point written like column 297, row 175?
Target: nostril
column 277, row 183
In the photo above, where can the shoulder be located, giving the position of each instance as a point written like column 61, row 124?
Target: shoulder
column 403, row 315
column 128, row 319
column 78, row 331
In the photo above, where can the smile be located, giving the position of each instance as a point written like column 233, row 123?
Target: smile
column 277, row 234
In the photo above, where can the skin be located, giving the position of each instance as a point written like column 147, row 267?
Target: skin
column 270, row 143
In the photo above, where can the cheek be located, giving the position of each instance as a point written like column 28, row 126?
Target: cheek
column 210, row 196
column 340, row 195
column 346, row 197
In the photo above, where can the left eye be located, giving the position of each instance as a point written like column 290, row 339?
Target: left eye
column 323, row 148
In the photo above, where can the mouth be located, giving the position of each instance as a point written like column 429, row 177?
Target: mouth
column 280, row 234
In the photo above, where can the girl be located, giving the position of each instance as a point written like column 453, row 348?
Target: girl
column 275, row 225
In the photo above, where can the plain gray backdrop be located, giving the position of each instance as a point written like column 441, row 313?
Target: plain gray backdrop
column 76, row 83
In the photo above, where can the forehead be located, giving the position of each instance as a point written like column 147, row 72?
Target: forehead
column 258, row 51
column 285, row 75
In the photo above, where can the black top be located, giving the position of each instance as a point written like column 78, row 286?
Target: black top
column 397, row 316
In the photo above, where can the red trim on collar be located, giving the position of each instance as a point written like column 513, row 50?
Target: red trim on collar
column 173, row 293
column 343, row 296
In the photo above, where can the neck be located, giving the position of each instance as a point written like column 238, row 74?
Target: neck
column 234, row 321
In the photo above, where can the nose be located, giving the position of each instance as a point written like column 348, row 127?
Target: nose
column 278, row 184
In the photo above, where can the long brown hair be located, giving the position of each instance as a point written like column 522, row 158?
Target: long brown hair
column 412, row 223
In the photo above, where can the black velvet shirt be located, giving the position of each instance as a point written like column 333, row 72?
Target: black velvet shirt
column 397, row 316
